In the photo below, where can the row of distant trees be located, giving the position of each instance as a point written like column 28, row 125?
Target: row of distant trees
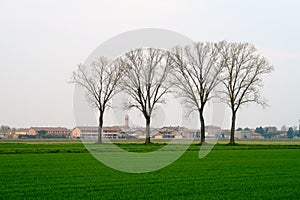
column 269, row 133
column 4, row 128
column 196, row 73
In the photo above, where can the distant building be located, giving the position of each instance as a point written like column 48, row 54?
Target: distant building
column 255, row 135
column 109, row 132
column 270, row 129
column 5, row 132
column 48, row 131
column 178, row 132
column 112, row 132
column 191, row 133
column 137, row 132
column 22, row 131
column 282, row 134
column 213, row 129
column 91, row 132
column 225, row 133
column 243, row 134
column 127, row 120
column 169, row 132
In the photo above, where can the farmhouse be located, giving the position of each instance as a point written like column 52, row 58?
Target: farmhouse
column 177, row 132
column 243, row 134
column 91, row 132
column 169, row 132
column 255, row 135
column 48, row 130
column 22, row 131
column 109, row 132
column 190, row 133
column 213, row 129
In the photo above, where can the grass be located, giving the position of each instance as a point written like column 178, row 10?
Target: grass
column 66, row 171
column 42, row 147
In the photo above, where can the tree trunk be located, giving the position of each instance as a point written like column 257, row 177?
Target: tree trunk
column 147, row 130
column 232, row 141
column 100, row 129
column 202, row 123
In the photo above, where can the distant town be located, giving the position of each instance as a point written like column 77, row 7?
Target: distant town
column 127, row 132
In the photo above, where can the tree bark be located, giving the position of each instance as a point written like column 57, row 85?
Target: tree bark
column 147, row 131
column 100, row 129
column 233, row 118
column 202, row 131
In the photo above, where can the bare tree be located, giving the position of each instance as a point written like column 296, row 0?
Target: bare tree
column 197, row 72
column 146, row 80
column 100, row 81
column 242, row 78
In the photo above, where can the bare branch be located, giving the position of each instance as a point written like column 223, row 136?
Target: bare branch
column 242, row 77
column 146, row 79
column 100, row 80
column 197, row 73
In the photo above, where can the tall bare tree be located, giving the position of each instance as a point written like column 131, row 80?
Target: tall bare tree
column 100, row 81
column 197, row 72
column 242, row 78
column 146, row 80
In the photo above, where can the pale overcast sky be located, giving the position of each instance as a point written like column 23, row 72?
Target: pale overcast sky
column 41, row 42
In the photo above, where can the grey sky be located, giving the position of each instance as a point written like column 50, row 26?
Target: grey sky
column 42, row 41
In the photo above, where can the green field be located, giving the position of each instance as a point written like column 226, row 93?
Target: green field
column 65, row 170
